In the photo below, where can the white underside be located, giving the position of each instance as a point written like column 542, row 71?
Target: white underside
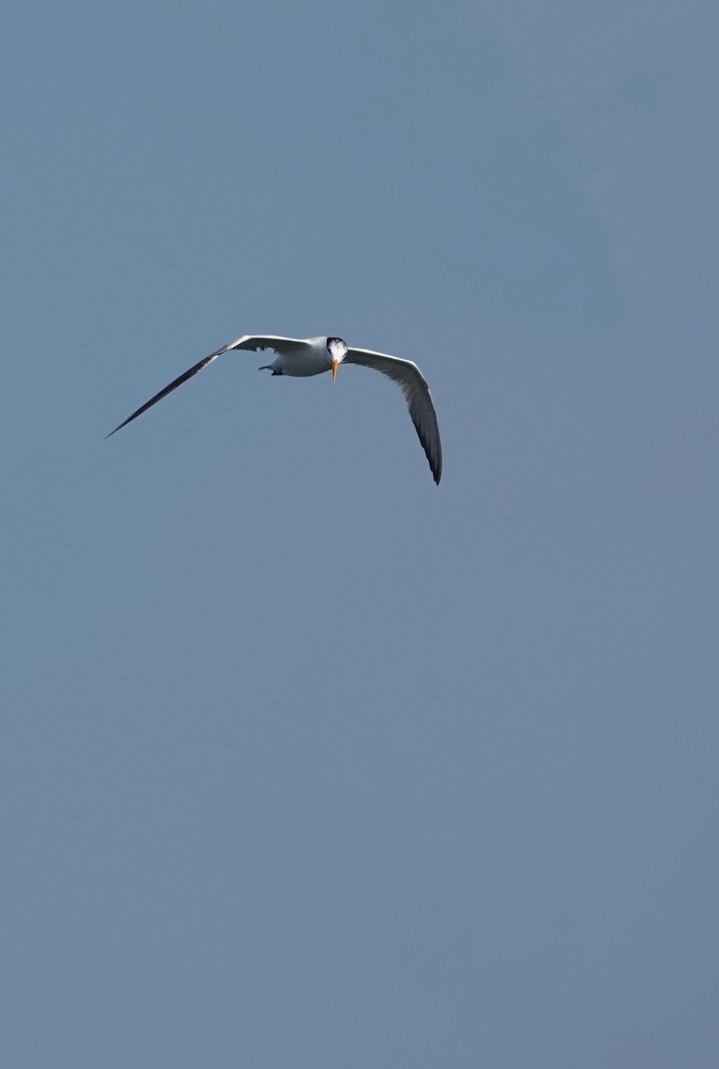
column 303, row 362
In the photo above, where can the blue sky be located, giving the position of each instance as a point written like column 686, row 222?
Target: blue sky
column 304, row 760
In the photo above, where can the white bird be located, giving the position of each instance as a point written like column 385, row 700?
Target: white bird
column 302, row 357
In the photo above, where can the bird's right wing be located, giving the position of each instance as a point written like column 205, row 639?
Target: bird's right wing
column 252, row 342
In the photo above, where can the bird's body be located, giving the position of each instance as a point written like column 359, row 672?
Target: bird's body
column 303, row 357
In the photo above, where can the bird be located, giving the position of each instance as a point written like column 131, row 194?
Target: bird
column 302, row 357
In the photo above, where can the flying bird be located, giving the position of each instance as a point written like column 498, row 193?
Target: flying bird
column 302, row 357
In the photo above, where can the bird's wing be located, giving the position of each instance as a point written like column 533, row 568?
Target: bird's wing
column 416, row 393
column 246, row 341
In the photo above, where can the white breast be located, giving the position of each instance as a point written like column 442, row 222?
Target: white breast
column 305, row 360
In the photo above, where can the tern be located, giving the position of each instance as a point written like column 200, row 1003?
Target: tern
column 302, row 357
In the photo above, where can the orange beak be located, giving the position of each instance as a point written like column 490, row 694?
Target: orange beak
column 335, row 365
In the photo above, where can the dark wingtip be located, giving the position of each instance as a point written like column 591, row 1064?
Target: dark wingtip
column 121, row 425
column 168, row 389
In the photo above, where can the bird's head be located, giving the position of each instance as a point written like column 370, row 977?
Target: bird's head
column 337, row 350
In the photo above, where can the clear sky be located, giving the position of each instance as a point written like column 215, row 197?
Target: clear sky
column 304, row 761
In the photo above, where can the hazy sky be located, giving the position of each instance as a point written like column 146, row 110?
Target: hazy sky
column 306, row 762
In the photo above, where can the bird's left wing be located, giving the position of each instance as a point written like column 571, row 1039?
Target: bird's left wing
column 246, row 341
column 416, row 393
